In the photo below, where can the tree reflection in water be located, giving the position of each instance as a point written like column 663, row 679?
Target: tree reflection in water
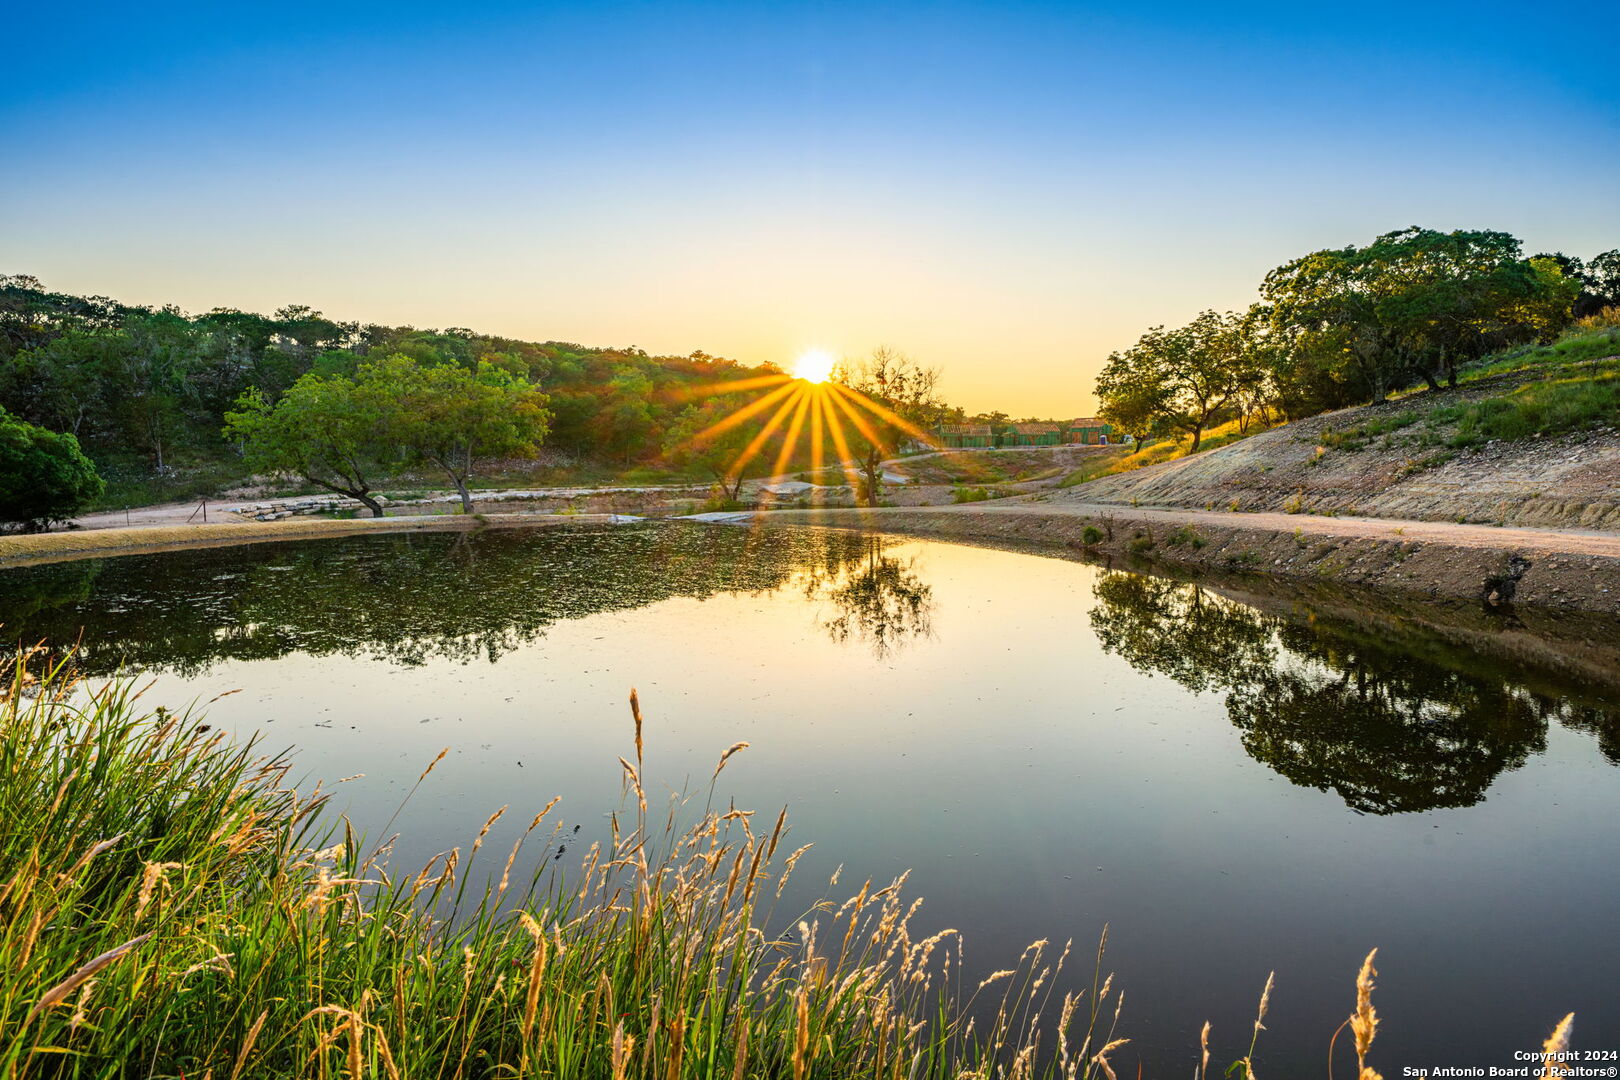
column 1332, row 709
column 408, row 598
column 876, row 598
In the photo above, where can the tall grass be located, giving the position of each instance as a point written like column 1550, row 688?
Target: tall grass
column 170, row 908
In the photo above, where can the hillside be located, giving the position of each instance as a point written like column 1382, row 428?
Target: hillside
column 1536, row 445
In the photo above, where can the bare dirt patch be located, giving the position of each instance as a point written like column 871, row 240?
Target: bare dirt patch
column 1390, row 460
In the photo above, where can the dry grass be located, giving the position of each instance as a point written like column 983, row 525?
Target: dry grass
column 169, row 908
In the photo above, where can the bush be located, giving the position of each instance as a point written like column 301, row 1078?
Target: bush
column 44, row 477
column 978, row 494
column 1185, row 535
column 1091, row 535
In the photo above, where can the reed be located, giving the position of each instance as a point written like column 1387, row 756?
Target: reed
column 171, row 907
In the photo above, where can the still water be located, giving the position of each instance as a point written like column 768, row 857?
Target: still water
column 1233, row 781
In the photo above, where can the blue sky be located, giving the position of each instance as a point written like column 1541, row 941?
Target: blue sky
column 1008, row 191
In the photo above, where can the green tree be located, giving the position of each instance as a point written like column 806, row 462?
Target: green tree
column 64, row 381
column 1597, row 278
column 447, row 415
column 323, row 430
column 44, row 478
column 696, row 439
column 900, row 400
column 154, row 384
column 624, row 427
column 1185, row 376
column 1133, row 398
column 1411, row 305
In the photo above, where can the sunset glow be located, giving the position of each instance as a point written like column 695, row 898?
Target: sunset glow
column 815, row 366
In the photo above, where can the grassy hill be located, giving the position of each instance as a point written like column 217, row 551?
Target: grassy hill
column 1528, row 437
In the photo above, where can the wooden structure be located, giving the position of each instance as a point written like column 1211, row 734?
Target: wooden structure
column 965, row 436
column 1088, row 431
column 1034, row 434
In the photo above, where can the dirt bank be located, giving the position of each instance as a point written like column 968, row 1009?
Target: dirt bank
column 1392, row 460
column 61, row 546
column 1563, row 570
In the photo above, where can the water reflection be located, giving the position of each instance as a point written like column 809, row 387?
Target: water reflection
column 1332, row 709
column 951, row 710
column 409, row 598
column 1391, row 722
column 877, row 599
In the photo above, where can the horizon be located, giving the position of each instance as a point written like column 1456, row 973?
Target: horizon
column 988, row 190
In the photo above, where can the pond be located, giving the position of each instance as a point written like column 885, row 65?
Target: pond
column 1236, row 778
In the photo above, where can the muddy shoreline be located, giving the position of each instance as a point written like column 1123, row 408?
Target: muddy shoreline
column 1557, row 571
column 30, row 549
column 1495, row 569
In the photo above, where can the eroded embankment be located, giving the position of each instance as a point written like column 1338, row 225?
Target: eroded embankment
column 1391, row 460
column 55, row 547
column 1496, row 567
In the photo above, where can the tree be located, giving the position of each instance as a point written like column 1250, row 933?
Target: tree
column 1413, row 304
column 323, row 430
column 899, row 402
column 698, row 439
column 154, row 384
column 64, row 381
column 446, row 414
column 1185, row 376
column 1133, row 398
column 44, row 477
column 1598, row 279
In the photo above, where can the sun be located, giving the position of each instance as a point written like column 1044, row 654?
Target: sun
column 814, row 366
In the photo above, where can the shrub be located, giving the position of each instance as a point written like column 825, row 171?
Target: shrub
column 1357, row 436
column 1091, row 535
column 978, row 494
column 1185, row 535
column 44, row 477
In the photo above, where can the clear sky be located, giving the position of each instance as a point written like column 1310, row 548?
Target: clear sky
column 1008, row 191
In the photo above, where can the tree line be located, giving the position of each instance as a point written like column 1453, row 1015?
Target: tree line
column 144, row 390
column 92, row 386
column 155, row 383
column 1348, row 326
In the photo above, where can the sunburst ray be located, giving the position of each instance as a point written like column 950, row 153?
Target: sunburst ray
column 743, row 415
column 757, row 443
column 735, row 386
